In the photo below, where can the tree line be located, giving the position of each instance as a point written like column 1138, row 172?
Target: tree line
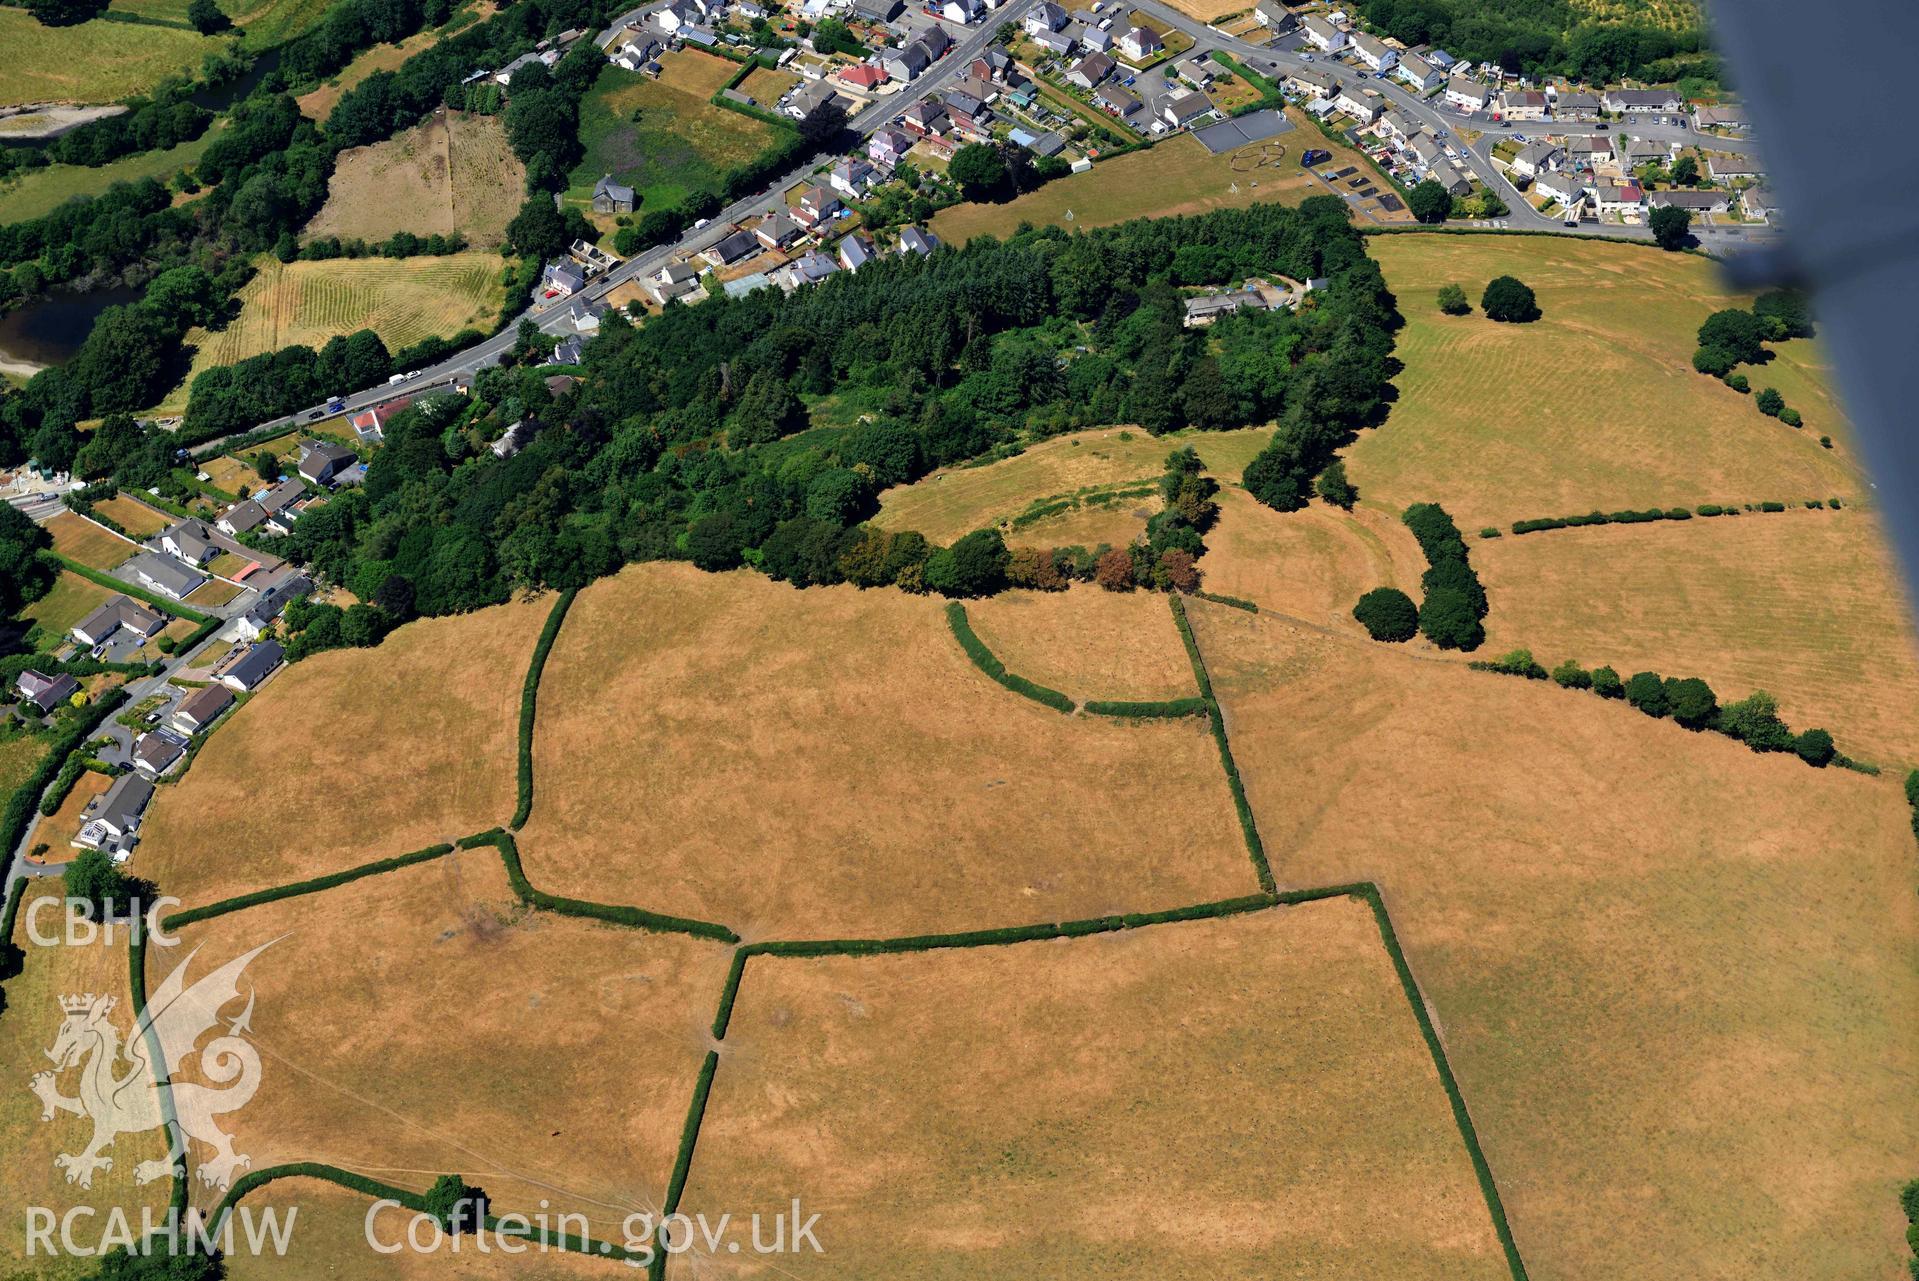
column 1546, row 37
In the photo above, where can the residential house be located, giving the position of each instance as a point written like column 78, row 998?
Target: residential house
column 1140, row 43
column 253, row 665
column 568, row 351
column 1180, row 110
column 866, row 77
column 1374, row 52
column 1089, row 71
column 45, row 692
column 674, row 280
column 1589, row 149
column 164, row 575
column 1620, row 101
column 1564, row 185
column 367, row 426
column 809, row 268
column 1206, row 308
column 1576, row 105
column 935, row 41
column 1536, row 158
column 1467, row 95
column 1311, row 83
column 518, row 435
column 816, row 205
column 777, row 231
column 676, row 17
column 1444, row 173
column 254, row 623
column 157, row 755
column 1275, row 17
column 1196, row 71
column 1418, row 72
column 1620, row 198
column 611, row 197
column 1396, row 125
column 1045, row 16
column 111, row 821
column 201, row 708
column 190, row 541
column 853, row 177
column 906, row 63
column 886, row 146
column 877, row 11
column 1047, row 144
column 1649, row 151
column 1757, row 202
column 969, row 115
column 120, row 614
column 1726, row 117
column 927, row 118
column 974, row 86
column 243, row 517
column 283, row 504
column 964, row 12
column 914, row 240
column 855, row 252
column 1116, row 101
column 995, row 65
column 562, row 279
column 1092, row 39
column 733, row 247
column 1322, row 35
column 1702, row 201
column 1724, row 167
column 809, row 101
column 1363, row 105
column 1523, row 104
column 1427, row 150
column 321, row 461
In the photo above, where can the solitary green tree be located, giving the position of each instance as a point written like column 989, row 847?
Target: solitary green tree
column 1429, row 201
column 1452, row 300
column 1509, row 299
column 1387, row 614
column 1770, row 402
column 1671, row 227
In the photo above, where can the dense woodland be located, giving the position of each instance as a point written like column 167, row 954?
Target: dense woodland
column 692, row 437
column 1546, row 37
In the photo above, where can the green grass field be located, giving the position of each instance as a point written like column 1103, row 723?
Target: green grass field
column 1595, row 405
column 40, row 191
column 71, row 600
column 681, row 143
column 133, row 47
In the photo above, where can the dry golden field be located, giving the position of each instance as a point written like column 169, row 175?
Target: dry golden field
column 1596, row 405
column 90, row 544
column 59, row 828
column 451, row 1030
column 1806, row 605
column 828, row 763
column 1312, row 564
column 452, row 173
column 401, row 299
column 1087, row 642
column 231, row 474
column 1676, row 979
column 71, row 600
column 351, row 756
column 135, row 516
column 957, row 500
column 1228, row 1098
column 28, row 1029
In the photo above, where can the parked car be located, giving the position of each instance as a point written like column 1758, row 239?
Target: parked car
column 317, row 413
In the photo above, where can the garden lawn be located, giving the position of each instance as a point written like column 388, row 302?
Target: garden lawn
column 680, row 144
column 933, row 798
column 1247, row 1097
column 1676, row 978
column 1594, row 406
column 71, row 600
column 134, row 516
column 94, row 545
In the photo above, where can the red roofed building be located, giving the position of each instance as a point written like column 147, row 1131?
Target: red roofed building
column 867, row 75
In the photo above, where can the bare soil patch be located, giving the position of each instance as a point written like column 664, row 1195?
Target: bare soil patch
column 1250, row 1094
column 828, row 763
column 1672, row 975
column 370, row 753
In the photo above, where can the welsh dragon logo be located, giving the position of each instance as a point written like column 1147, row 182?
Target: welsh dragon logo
column 118, row 1080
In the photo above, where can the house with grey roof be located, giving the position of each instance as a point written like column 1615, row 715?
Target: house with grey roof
column 733, row 247
column 1620, row 101
column 1089, row 71
column 1418, row 72
column 914, row 240
column 1322, row 34
column 45, row 692
column 190, row 541
column 1565, row 185
column 201, row 708
column 1374, row 52
column 156, row 755
column 272, row 601
column 165, row 575
column 1576, row 105
column 111, row 820
column 257, row 662
column 1467, row 95
column 1044, row 16
column 611, row 197
column 777, row 231
column 1702, row 201
column 121, row 614
column 1116, row 101
column 1536, row 158
column 855, row 252
column 241, row 518
column 321, row 461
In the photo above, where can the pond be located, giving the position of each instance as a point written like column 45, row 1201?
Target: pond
column 49, row 330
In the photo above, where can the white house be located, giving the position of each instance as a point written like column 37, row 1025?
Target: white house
column 1046, row 16
column 1139, row 43
column 1536, row 158
column 1467, row 95
column 1419, row 73
column 1562, row 185
column 1322, row 35
column 1374, row 52
column 1622, row 198
column 1363, row 105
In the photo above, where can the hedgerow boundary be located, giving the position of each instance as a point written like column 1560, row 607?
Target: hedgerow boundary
column 1217, row 722
column 529, row 704
column 983, row 658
